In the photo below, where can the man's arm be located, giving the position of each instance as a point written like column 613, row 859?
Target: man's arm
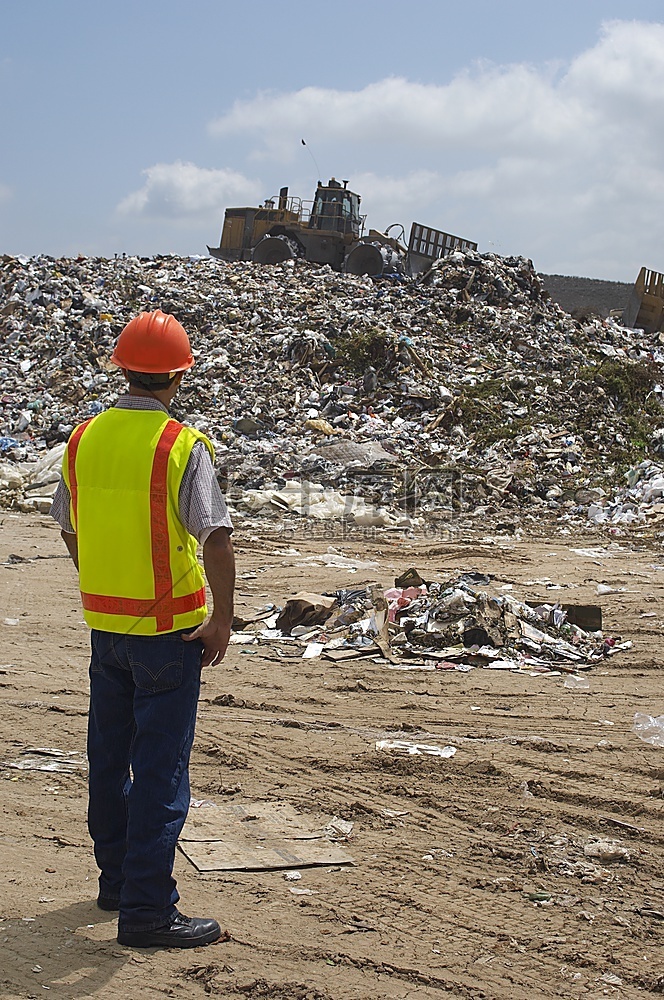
column 71, row 541
column 60, row 512
column 219, row 562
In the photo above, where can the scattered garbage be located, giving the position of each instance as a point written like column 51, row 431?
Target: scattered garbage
column 454, row 624
column 462, row 392
column 409, row 749
column 339, row 829
column 639, row 499
column 304, row 609
column 339, row 561
column 437, row 854
column 611, row 979
column 48, row 759
column 313, row 500
column 576, row 683
column 525, row 791
column 649, row 728
column 606, row 851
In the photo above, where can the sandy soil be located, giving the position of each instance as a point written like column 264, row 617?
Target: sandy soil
column 438, row 902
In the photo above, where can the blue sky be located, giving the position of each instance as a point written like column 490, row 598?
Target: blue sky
column 532, row 128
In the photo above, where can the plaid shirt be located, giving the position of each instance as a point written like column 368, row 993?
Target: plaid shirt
column 201, row 506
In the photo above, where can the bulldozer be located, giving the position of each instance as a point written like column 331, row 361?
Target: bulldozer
column 329, row 229
column 645, row 309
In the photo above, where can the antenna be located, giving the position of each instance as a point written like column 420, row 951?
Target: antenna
column 312, row 157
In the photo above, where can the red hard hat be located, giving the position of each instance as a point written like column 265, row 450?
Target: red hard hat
column 153, row 342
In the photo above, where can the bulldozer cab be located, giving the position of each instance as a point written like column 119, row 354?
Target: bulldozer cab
column 336, row 208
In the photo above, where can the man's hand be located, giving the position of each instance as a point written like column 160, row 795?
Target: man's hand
column 214, row 635
column 71, row 541
column 220, row 571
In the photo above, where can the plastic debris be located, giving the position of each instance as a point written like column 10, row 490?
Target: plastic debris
column 525, row 791
column 649, row 728
column 611, row 979
column 48, row 759
column 409, row 749
column 576, row 683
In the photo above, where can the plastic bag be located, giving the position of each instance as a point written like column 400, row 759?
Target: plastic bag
column 649, row 728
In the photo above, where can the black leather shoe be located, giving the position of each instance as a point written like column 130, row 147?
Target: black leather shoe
column 108, row 903
column 184, row 932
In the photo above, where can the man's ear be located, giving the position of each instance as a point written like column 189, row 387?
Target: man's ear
column 178, row 379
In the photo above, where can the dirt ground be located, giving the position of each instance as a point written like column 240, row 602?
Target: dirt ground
column 448, row 852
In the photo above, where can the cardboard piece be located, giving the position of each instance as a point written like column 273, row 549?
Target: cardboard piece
column 255, row 837
column 347, row 653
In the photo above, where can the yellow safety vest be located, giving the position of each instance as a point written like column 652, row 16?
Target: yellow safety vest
column 138, row 569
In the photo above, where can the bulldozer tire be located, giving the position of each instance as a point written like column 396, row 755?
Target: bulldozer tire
column 275, row 250
column 373, row 259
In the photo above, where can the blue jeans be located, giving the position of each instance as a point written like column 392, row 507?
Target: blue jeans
column 143, row 697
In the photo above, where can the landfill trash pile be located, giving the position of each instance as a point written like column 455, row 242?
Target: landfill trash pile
column 465, row 390
column 34, row 481
column 639, row 501
column 451, row 625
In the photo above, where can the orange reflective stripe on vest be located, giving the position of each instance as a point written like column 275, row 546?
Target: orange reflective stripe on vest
column 72, row 448
column 162, row 608
column 161, row 561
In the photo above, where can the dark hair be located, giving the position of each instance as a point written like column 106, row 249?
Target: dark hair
column 152, row 380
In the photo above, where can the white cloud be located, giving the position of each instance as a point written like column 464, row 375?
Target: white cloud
column 489, row 108
column 626, row 65
column 565, row 163
column 511, row 105
column 184, row 191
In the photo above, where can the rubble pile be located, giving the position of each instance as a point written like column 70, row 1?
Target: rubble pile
column 467, row 389
column 453, row 624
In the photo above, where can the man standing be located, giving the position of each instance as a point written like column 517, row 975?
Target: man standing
column 137, row 494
